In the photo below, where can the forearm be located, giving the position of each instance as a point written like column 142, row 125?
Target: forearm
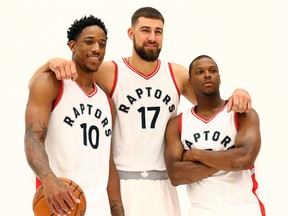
column 229, row 160
column 114, row 191
column 116, row 208
column 36, row 155
column 186, row 172
column 115, row 200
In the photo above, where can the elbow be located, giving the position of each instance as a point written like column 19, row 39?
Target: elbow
column 172, row 175
column 174, row 181
column 247, row 165
column 244, row 163
column 177, row 173
column 176, row 178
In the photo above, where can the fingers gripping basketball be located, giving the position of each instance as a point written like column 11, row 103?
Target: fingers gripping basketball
column 40, row 206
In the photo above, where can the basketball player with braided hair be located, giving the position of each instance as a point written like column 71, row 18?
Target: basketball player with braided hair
column 69, row 129
column 213, row 151
column 146, row 91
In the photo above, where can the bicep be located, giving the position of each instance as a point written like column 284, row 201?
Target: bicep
column 248, row 135
column 173, row 145
column 44, row 68
column 39, row 105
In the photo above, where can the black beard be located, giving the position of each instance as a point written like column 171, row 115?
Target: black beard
column 149, row 56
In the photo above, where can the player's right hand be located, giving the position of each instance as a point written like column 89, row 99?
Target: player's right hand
column 59, row 196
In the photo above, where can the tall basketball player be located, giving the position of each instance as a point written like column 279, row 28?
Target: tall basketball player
column 69, row 129
column 213, row 151
column 146, row 92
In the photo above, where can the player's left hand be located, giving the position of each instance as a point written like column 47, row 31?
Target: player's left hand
column 240, row 101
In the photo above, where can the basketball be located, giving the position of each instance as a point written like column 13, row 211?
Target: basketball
column 40, row 206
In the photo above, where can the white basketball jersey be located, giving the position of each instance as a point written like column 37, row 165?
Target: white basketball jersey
column 144, row 105
column 78, row 142
column 223, row 193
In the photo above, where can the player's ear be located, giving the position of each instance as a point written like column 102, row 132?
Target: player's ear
column 71, row 45
column 130, row 33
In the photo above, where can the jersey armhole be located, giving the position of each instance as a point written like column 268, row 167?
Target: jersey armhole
column 115, row 79
column 59, row 95
column 109, row 102
column 173, row 78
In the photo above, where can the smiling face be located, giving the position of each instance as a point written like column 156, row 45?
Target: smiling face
column 147, row 36
column 89, row 48
column 204, row 76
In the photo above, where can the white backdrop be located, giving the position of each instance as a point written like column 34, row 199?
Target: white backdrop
column 247, row 38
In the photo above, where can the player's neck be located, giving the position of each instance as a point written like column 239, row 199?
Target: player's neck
column 142, row 65
column 85, row 81
column 207, row 108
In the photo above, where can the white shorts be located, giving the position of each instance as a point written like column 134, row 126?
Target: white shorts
column 149, row 197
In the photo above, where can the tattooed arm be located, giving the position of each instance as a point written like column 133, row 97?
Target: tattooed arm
column 38, row 109
column 42, row 94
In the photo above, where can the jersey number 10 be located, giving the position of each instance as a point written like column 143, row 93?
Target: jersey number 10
column 90, row 135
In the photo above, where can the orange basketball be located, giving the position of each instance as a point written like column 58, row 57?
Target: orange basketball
column 40, row 206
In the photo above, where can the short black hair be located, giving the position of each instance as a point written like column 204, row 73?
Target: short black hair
column 147, row 12
column 197, row 58
column 78, row 25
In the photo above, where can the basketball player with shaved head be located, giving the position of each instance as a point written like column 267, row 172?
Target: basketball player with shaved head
column 213, row 151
